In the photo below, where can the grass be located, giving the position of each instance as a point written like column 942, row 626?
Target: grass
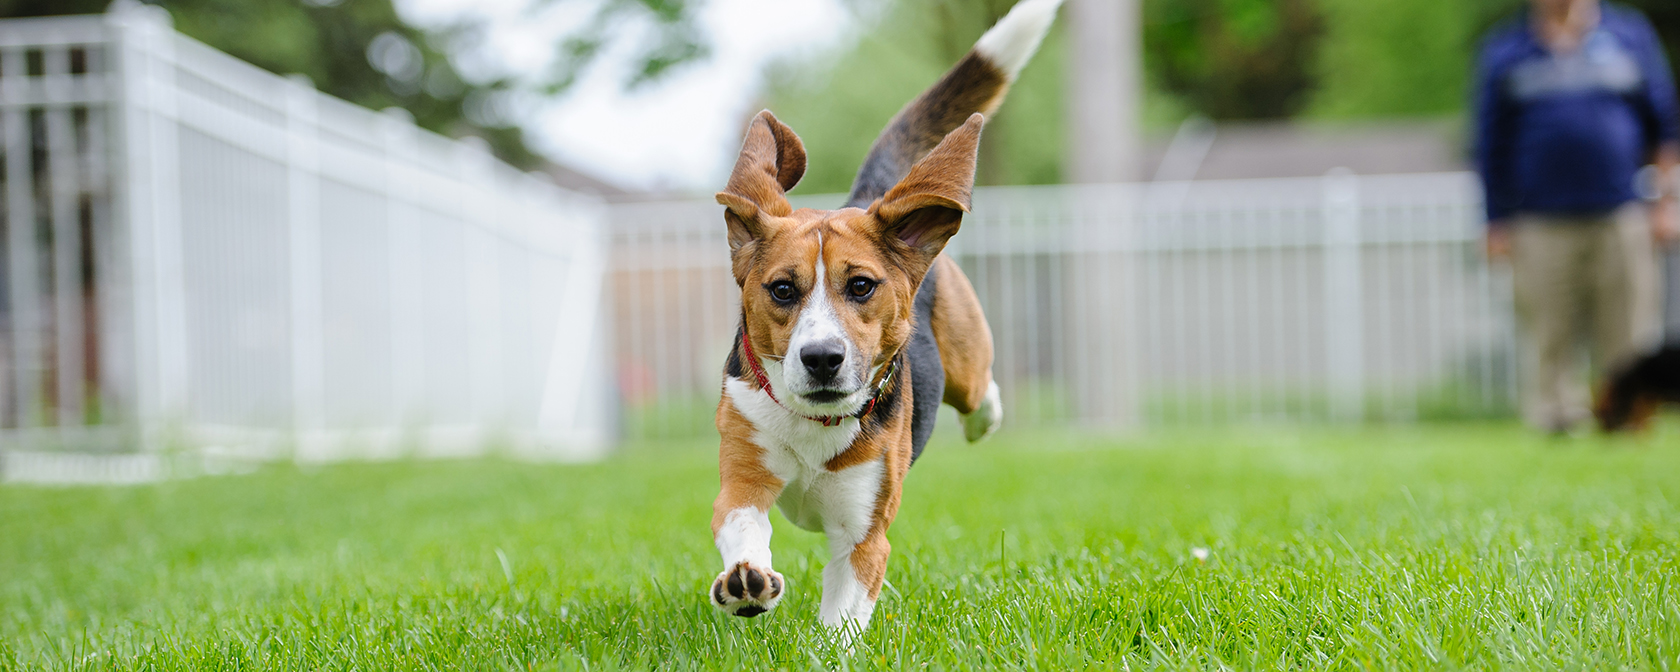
column 1476, row 546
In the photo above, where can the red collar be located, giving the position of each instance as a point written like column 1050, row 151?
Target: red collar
column 826, row 420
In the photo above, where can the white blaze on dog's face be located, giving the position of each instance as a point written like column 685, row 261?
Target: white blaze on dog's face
column 827, row 308
column 828, row 294
column 820, row 339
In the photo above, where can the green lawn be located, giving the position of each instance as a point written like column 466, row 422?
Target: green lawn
column 1429, row 547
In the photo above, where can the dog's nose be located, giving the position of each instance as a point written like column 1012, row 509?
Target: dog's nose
column 823, row 359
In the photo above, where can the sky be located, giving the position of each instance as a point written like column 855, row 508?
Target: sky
column 680, row 133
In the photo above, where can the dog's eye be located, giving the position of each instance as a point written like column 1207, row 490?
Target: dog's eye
column 861, row 287
column 783, row 291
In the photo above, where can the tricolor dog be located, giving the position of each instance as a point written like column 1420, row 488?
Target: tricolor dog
column 853, row 329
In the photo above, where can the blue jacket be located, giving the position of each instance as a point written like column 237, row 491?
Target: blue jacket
column 1568, row 134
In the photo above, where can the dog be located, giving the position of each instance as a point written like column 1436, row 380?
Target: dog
column 1629, row 398
column 853, row 329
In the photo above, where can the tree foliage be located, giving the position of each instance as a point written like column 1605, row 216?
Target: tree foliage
column 1233, row 59
column 1343, row 59
column 361, row 51
column 358, row 50
column 1224, row 59
column 673, row 39
column 1394, row 58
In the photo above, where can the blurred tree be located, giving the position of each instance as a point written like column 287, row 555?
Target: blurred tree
column 358, row 50
column 361, row 51
column 674, row 39
column 1225, row 59
column 1389, row 58
column 1233, row 59
column 1228, row 59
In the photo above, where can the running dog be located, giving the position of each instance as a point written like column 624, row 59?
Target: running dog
column 853, row 329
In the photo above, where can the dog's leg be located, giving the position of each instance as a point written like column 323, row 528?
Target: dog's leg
column 986, row 418
column 965, row 351
column 864, row 500
column 852, row 581
column 741, row 529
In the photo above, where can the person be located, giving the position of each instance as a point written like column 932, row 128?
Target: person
column 1574, row 99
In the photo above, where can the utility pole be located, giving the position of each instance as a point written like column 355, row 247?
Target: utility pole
column 1104, row 83
column 1102, row 148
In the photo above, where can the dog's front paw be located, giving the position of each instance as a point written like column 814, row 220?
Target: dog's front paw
column 745, row 590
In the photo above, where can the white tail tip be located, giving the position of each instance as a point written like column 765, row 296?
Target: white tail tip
column 1011, row 43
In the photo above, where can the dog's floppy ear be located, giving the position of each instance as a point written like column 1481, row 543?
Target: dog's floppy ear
column 772, row 161
column 925, row 208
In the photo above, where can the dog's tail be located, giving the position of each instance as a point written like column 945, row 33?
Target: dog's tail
column 977, row 83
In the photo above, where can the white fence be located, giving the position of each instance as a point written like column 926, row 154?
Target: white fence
column 198, row 252
column 1346, row 297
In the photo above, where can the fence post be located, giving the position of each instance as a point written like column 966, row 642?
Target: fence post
column 67, row 247
column 303, row 224
column 150, row 215
column 1105, row 385
column 407, row 274
column 480, row 212
column 112, row 367
column 1344, row 313
column 579, row 323
column 27, row 309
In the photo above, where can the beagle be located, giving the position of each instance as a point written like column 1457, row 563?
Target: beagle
column 853, row 329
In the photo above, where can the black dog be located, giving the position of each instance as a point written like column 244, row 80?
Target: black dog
column 1629, row 399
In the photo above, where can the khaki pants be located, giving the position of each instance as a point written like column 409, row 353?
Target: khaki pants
column 1596, row 277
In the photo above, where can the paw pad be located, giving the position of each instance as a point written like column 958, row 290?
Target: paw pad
column 747, row 591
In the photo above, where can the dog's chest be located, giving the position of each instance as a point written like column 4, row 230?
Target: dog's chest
column 797, row 450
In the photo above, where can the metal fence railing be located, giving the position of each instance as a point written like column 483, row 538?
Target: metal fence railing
column 198, row 251
column 1343, row 297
